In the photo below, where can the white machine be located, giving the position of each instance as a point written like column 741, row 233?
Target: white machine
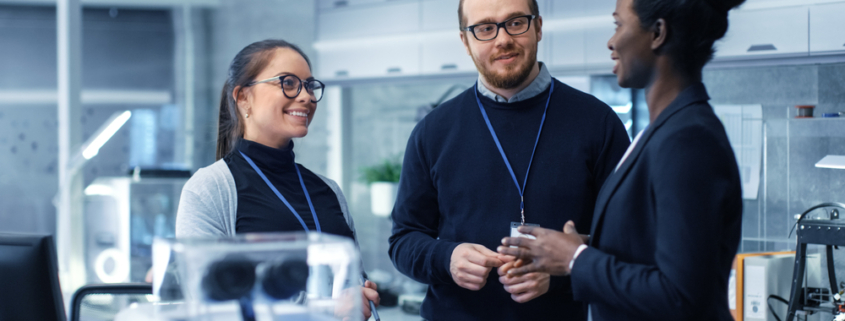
column 764, row 276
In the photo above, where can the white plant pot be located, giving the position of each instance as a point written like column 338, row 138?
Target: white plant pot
column 382, row 196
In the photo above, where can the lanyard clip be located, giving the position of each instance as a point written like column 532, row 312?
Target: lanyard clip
column 522, row 214
column 522, row 209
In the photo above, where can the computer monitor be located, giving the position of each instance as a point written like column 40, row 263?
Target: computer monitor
column 29, row 280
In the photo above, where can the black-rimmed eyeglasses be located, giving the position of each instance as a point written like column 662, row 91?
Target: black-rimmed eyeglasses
column 513, row 26
column 292, row 86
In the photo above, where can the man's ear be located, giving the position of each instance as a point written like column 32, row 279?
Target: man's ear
column 466, row 43
column 539, row 25
column 660, row 33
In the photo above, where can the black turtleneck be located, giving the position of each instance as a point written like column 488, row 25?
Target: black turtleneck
column 260, row 210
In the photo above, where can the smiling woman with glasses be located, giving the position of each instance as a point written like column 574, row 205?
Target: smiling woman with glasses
column 255, row 185
column 292, row 86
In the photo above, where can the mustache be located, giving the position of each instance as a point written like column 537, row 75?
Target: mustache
column 509, row 50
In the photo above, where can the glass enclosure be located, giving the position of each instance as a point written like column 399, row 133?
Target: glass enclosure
column 791, row 181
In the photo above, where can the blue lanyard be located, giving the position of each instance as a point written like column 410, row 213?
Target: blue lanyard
column 307, row 196
column 521, row 190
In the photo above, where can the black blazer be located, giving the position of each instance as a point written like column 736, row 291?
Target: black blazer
column 667, row 223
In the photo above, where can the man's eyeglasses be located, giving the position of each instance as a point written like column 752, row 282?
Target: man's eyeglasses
column 292, row 86
column 513, row 26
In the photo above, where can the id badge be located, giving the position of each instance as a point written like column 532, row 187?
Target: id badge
column 515, row 233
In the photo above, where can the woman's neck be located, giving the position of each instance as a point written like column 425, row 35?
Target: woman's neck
column 267, row 140
column 666, row 86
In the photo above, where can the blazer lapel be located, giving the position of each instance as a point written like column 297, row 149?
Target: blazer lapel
column 613, row 181
column 692, row 94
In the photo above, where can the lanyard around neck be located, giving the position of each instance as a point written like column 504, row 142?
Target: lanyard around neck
column 302, row 182
column 521, row 190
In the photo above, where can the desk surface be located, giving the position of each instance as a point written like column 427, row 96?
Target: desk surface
column 144, row 312
column 395, row 314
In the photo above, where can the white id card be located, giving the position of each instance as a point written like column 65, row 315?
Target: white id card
column 515, row 233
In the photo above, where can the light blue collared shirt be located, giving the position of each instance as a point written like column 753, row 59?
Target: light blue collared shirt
column 539, row 85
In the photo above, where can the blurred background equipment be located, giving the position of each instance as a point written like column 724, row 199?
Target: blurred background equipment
column 122, row 217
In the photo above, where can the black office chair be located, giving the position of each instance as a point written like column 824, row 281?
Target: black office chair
column 112, row 289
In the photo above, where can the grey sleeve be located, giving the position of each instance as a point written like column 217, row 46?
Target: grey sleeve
column 206, row 206
column 343, row 206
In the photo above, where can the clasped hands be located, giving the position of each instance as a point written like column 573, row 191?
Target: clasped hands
column 524, row 270
column 551, row 251
column 471, row 264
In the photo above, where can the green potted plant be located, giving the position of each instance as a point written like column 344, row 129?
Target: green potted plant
column 383, row 179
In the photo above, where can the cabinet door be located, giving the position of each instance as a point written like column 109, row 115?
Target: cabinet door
column 440, row 15
column 754, row 33
column 567, row 48
column 827, row 28
column 443, row 14
column 368, row 21
column 445, row 54
column 567, row 9
column 371, row 60
column 595, row 46
column 325, row 5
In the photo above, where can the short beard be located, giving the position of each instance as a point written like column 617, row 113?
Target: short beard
column 513, row 76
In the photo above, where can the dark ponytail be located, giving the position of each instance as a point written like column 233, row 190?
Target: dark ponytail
column 693, row 26
column 246, row 65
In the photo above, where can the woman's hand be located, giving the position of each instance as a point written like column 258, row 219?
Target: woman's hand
column 551, row 251
column 368, row 293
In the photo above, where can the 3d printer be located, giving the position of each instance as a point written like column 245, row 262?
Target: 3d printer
column 829, row 232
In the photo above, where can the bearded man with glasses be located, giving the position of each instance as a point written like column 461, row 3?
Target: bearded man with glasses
column 518, row 148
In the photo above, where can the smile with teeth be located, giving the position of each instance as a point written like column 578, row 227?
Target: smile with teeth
column 297, row 113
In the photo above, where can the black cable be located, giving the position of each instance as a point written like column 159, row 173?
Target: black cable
column 828, row 204
column 772, row 310
column 831, row 273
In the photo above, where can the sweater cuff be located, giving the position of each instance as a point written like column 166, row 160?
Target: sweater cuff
column 441, row 258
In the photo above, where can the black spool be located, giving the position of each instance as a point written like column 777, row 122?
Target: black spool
column 229, row 279
column 285, row 279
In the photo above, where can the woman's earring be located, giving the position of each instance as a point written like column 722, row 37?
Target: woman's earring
column 247, row 115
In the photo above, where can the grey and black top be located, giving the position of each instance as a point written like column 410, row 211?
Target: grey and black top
column 229, row 197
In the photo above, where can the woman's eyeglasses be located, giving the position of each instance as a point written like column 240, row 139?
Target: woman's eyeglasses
column 292, row 86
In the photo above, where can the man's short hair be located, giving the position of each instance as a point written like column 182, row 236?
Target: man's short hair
column 532, row 5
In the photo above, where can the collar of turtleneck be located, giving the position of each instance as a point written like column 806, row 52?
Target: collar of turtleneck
column 266, row 156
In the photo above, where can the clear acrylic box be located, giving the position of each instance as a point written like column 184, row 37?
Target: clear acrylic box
column 273, row 276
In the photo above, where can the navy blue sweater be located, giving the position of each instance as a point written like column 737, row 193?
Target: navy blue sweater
column 455, row 188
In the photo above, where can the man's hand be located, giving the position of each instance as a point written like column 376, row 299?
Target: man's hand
column 470, row 265
column 550, row 253
column 525, row 287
